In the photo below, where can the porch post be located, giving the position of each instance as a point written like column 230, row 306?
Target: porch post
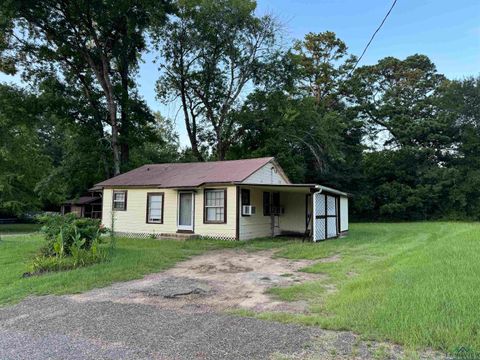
column 272, row 217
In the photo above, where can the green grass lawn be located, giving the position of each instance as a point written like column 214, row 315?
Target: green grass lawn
column 18, row 228
column 417, row 284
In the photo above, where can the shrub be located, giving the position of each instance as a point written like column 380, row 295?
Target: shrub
column 71, row 242
column 61, row 231
column 82, row 257
column 41, row 264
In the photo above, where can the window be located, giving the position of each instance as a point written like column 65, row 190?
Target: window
column 266, row 204
column 245, row 201
column 155, row 208
column 276, row 203
column 245, row 197
column 271, row 203
column 120, row 200
column 215, row 203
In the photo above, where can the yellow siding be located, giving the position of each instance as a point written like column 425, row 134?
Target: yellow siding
column 218, row 230
column 133, row 220
column 256, row 225
column 294, row 218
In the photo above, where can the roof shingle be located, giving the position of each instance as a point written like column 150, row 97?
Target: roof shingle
column 187, row 174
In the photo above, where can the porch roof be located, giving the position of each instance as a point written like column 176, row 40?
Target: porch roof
column 298, row 188
column 82, row 200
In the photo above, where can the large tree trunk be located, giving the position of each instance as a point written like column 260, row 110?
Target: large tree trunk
column 195, row 151
column 124, row 114
column 125, row 125
column 190, row 124
column 191, row 130
column 221, row 150
column 115, row 145
column 102, row 72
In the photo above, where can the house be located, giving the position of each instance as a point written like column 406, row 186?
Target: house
column 233, row 200
column 89, row 206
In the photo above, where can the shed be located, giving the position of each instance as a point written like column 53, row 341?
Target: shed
column 89, row 206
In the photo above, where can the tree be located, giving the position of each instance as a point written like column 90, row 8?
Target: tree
column 22, row 162
column 162, row 147
column 460, row 101
column 94, row 45
column 323, row 63
column 426, row 167
column 212, row 52
column 300, row 115
column 397, row 101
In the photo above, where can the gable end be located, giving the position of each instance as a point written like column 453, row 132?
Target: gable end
column 270, row 173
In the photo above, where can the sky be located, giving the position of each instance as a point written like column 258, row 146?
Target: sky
column 447, row 31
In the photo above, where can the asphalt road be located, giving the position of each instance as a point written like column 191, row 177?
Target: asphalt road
column 56, row 327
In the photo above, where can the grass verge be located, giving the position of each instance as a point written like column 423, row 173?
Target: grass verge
column 18, row 228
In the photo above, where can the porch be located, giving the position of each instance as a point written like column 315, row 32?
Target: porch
column 89, row 206
column 309, row 211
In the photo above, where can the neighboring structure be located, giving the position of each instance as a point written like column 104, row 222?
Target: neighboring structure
column 236, row 200
column 85, row 206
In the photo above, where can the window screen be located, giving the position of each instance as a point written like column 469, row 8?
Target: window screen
column 155, row 208
column 245, row 197
column 215, row 206
column 119, row 200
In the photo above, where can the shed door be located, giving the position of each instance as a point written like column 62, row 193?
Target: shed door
column 325, row 209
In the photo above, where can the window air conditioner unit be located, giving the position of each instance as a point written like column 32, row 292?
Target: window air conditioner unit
column 248, row 210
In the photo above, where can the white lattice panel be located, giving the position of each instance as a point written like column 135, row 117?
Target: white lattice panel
column 319, row 229
column 331, row 205
column 319, row 204
column 171, row 236
column 331, row 227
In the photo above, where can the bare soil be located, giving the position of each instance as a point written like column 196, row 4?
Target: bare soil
column 216, row 281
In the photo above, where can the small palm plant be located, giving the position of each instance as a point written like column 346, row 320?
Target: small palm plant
column 76, row 249
column 59, row 245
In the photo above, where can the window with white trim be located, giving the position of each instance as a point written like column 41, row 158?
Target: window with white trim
column 155, row 208
column 215, row 201
column 120, row 200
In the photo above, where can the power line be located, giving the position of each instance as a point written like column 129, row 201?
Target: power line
column 373, row 36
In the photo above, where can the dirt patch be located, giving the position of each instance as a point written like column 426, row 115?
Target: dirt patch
column 215, row 281
column 330, row 259
column 227, row 267
column 330, row 288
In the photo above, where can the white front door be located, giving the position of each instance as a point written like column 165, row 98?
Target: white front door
column 185, row 210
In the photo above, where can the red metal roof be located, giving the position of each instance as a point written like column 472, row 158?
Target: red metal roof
column 187, row 174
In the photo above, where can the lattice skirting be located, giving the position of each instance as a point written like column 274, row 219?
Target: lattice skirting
column 164, row 236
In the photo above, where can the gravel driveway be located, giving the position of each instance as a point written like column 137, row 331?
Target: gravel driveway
column 57, row 327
